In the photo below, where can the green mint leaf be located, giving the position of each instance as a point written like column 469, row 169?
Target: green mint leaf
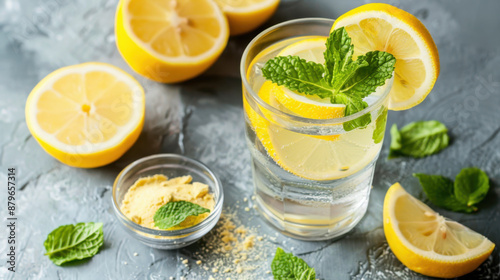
column 378, row 132
column 353, row 105
column 286, row 266
column 395, row 142
column 175, row 212
column 395, row 138
column 471, row 186
column 297, row 74
column 439, row 190
column 374, row 68
column 419, row 139
column 338, row 54
column 74, row 242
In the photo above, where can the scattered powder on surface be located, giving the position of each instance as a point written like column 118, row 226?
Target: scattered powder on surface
column 232, row 250
column 249, row 242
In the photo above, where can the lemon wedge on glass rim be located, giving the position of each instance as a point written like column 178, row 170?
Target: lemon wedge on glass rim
column 170, row 41
column 428, row 243
column 86, row 115
column 384, row 27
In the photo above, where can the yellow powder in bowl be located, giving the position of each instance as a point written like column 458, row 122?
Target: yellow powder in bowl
column 148, row 194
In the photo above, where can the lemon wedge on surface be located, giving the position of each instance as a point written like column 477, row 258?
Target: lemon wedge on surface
column 170, row 41
column 384, row 27
column 428, row 243
column 246, row 15
column 86, row 115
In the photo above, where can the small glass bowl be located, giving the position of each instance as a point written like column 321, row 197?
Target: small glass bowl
column 172, row 166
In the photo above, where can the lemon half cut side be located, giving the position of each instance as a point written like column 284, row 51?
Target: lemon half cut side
column 170, row 41
column 245, row 15
column 86, row 115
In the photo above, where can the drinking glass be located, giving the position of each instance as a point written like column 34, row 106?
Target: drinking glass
column 312, row 177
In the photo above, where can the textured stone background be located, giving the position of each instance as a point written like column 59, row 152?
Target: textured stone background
column 203, row 119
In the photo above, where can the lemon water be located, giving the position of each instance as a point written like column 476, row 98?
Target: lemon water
column 312, row 179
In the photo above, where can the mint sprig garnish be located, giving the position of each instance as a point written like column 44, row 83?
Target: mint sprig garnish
column 418, row 139
column 286, row 266
column 470, row 187
column 341, row 79
column 175, row 212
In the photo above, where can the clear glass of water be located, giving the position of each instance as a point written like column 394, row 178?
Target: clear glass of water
column 312, row 178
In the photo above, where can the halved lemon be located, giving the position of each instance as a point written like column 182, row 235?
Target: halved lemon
column 384, row 27
column 246, row 15
column 170, row 41
column 86, row 115
column 428, row 243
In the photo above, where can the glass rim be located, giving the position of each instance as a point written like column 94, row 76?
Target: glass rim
column 179, row 233
column 293, row 117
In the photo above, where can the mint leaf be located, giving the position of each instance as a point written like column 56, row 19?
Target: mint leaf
column 338, row 54
column 74, row 242
column 175, row 212
column 395, row 138
column 440, row 191
column 286, row 266
column 378, row 132
column 297, row 74
column 419, row 139
column 353, row 105
column 471, row 186
column 395, row 142
column 374, row 69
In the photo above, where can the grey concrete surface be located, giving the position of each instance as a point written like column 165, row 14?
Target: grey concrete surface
column 203, row 119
